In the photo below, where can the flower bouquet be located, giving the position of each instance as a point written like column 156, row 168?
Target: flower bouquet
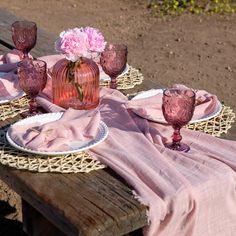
column 76, row 77
column 80, row 42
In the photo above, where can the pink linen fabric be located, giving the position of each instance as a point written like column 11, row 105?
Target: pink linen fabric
column 150, row 107
column 9, row 84
column 187, row 194
column 74, row 125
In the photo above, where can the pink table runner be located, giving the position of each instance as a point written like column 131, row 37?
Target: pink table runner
column 188, row 194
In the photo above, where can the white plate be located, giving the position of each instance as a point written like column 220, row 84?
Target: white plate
column 105, row 77
column 10, row 98
column 161, row 119
column 75, row 146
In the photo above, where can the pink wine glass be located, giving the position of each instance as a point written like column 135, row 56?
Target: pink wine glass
column 24, row 36
column 32, row 77
column 113, row 61
column 178, row 107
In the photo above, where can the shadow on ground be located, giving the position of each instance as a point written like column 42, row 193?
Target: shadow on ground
column 9, row 227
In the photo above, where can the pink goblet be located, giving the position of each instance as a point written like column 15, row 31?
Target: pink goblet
column 178, row 107
column 32, row 77
column 24, row 36
column 113, row 61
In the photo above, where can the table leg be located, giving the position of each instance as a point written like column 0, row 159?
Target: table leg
column 34, row 224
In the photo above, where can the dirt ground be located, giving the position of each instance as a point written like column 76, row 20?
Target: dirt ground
column 198, row 51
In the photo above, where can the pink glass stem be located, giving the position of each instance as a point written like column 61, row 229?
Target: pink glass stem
column 176, row 136
column 26, row 55
column 113, row 84
column 176, row 141
column 32, row 106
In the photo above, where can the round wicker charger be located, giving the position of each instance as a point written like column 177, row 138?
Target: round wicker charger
column 217, row 125
column 126, row 81
column 13, row 108
column 71, row 163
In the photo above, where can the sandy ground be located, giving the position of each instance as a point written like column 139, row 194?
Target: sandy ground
column 198, row 51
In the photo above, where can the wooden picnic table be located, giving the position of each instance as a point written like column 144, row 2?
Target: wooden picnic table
column 95, row 203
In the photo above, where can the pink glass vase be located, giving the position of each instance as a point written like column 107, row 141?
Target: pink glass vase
column 76, row 84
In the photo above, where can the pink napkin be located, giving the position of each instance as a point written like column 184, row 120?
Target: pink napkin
column 74, row 125
column 150, row 107
column 9, row 84
column 10, row 58
column 187, row 194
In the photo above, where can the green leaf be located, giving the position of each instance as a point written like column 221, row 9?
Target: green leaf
column 71, row 71
column 79, row 91
column 71, row 77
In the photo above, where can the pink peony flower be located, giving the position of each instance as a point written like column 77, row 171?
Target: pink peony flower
column 95, row 39
column 80, row 42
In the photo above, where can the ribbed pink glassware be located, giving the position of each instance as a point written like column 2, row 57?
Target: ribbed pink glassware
column 82, row 91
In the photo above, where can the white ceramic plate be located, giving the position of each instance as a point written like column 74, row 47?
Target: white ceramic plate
column 75, row 146
column 161, row 119
column 10, row 98
column 105, row 77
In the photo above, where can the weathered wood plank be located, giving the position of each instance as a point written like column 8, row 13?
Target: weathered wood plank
column 45, row 40
column 3, row 49
column 77, row 207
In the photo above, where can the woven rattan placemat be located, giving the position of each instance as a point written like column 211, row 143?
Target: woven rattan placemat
column 13, row 108
column 71, row 163
column 128, row 80
column 217, row 125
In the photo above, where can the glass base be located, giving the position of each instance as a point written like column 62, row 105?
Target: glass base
column 26, row 114
column 181, row 147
